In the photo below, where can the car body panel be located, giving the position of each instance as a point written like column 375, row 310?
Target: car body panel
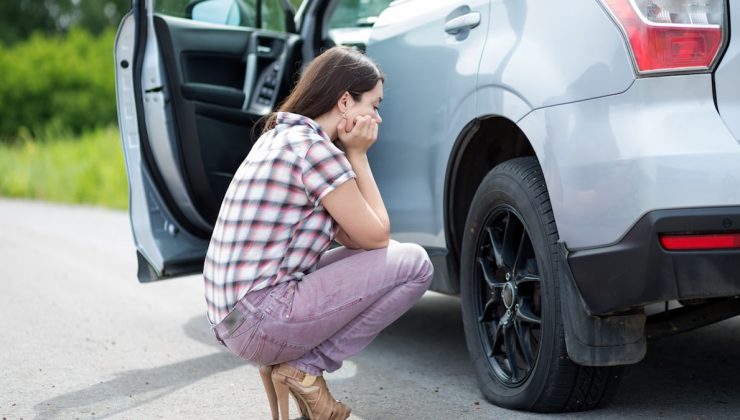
column 537, row 52
column 409, row 159
column 727, row 80
column 610, row 160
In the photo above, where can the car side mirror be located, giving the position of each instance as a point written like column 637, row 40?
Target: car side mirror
column 224, row 12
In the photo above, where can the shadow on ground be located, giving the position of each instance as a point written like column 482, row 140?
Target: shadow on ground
column 424, row 356
column 697, row 370
column 691, row 374
column 137, row 387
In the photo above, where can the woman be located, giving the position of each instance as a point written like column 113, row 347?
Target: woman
column 275, row 295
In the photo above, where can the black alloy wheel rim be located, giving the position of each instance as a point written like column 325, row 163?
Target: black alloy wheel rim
column 507, row 295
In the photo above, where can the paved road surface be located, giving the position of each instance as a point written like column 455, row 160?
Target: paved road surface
column 82, row 339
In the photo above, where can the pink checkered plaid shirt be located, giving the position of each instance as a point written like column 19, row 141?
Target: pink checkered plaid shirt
column 272, row 227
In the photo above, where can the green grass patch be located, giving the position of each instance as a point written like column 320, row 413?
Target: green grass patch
column 88, row 169
column 64, row 82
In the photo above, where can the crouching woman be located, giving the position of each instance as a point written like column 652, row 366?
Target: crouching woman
column 276, row 294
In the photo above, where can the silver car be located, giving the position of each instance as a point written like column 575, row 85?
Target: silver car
column 572, row 168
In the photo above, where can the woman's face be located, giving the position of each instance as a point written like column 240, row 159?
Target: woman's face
column 367, row 105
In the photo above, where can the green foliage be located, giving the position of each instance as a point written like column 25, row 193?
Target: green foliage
column 20, row 18
column 88, row 169
column 57, row 85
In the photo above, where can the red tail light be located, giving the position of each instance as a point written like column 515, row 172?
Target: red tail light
column 700, row 241
column 671, row 35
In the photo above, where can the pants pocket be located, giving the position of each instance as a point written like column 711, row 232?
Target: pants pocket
column 243, row 341
column 251, row 321
column 250, row 347
column 269, row 351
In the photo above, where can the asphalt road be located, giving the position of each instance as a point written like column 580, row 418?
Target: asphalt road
column 82, row 339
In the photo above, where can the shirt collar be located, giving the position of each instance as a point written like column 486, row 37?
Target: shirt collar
column 290, row 119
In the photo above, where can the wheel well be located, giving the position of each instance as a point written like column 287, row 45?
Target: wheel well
column 483, row 144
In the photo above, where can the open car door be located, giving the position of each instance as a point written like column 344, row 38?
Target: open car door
column 193, row 78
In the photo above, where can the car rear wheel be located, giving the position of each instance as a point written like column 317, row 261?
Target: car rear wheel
column 510, row 282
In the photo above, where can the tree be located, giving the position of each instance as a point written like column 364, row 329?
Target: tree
column 20, row 18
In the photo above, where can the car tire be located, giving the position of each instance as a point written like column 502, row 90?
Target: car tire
column 510, row 292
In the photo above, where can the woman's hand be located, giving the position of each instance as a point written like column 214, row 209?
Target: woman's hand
column 359, row 135
column 356, row 205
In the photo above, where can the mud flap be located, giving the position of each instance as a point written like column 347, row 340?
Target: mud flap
column 598, row 340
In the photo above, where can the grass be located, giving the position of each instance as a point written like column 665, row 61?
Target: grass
column 88, row 169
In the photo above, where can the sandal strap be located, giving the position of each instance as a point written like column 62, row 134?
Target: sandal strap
column 313, row 391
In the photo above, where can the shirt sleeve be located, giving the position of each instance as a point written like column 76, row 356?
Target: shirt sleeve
column 325, row 168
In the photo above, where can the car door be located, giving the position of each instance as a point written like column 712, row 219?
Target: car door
column 193, row 79
column 430, row 52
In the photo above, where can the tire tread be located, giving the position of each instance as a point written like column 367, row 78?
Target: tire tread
column 570, row 387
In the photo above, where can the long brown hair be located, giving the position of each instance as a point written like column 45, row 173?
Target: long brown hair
column 339, row 69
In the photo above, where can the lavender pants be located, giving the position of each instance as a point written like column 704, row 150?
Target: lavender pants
column 332, row 313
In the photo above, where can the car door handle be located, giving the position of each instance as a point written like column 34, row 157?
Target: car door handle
column 466, row 21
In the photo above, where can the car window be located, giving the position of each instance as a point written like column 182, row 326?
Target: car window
column 227, row 12
column 273, row 16
column 357, row 13
column 351, row 21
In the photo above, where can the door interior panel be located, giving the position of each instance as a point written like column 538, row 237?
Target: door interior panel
column 221, row 154
column 220, row 82
column 213, row 94
column 214, row 68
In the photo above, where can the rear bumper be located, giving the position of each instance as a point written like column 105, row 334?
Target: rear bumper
column 637, row 270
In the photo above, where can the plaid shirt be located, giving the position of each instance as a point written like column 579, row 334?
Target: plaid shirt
column 272, row 227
